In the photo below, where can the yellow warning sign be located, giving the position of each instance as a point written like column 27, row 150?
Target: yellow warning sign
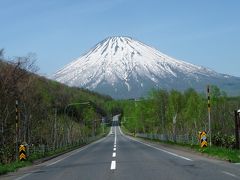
column 22, row 157
column 22, row 148
column 22, row 153
column 203, row 139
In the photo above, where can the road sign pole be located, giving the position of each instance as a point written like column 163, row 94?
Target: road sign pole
column 209, row 117
column 209, row 125
column 16, row 126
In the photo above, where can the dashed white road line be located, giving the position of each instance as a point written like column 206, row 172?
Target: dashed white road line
column 113, row 165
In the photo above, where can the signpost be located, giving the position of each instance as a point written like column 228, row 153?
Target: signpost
column 203, row 139
column 16, row 126
column 209, row 116
column 22, row 153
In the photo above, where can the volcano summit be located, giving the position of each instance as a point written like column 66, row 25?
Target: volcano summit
column 125, row 68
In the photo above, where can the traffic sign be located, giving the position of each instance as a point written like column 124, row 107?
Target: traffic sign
column 22, row 153
column 203, row 139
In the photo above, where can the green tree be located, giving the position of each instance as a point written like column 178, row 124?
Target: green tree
column 160, row 105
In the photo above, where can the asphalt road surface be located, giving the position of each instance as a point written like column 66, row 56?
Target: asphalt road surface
column 119, row 157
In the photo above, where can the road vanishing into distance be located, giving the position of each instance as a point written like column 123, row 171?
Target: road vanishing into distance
column 120, row 157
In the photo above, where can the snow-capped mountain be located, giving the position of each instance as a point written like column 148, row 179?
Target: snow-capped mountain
column 125, row 68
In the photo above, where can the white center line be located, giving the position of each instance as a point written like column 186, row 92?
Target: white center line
column 113, row 165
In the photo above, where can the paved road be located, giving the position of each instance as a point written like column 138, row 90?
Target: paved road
column 119, row 157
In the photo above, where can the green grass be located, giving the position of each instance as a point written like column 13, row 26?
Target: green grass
column 231, row 155
column 126, row 131
column 13, row 166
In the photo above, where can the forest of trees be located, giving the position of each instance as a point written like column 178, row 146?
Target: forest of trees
column 44, row 116
column 176, row 113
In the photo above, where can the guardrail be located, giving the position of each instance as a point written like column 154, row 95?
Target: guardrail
column 35, row 152
column 183, row 139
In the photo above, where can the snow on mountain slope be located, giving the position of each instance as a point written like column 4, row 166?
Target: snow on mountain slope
column 126, row 68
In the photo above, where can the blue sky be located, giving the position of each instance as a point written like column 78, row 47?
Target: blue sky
column 205, row 32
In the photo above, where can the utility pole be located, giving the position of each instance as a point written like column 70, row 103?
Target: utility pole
column 209, row 117
column 16, row 130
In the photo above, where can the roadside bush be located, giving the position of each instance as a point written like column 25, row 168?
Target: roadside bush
column 223, row 140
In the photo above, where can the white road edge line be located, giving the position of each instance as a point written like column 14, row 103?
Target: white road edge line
column 228, row 173
column 115, row 138
column 113, row 165
column 114, row 154
column 173, row 154
column 23, row 176
column 81, row 149
column 110, row 132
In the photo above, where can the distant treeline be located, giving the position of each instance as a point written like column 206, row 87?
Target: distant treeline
column 44, row 114
column 180, row 113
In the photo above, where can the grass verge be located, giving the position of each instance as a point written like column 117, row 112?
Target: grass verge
column 231, row 155
column 13, row 166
